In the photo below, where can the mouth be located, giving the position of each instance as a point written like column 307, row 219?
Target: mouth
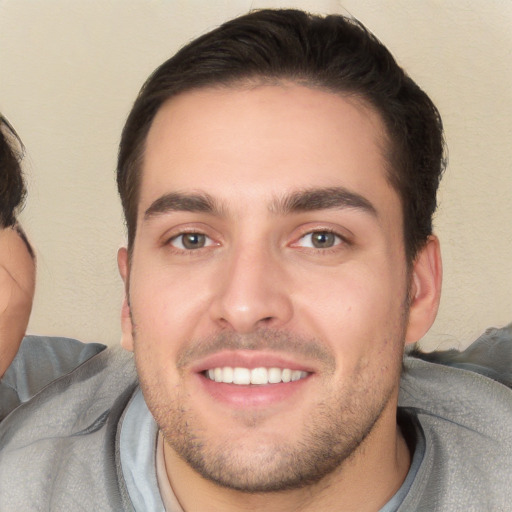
column 244, row 379
column 260, row 376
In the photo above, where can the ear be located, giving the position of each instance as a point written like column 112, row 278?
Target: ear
column 126, row 320
column 425, row 292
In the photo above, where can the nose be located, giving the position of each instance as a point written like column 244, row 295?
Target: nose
column 252, row 292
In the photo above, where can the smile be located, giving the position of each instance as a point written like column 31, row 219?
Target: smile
column 258, row 376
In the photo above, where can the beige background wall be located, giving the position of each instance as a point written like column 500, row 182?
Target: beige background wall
column 69, row 71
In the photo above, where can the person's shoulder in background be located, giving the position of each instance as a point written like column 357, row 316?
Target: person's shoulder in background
column 489, row 355
column 39, row 361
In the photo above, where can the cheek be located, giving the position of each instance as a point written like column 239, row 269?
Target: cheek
column 16, row 296
column 167, row 303
column 5, row 289
column 15, row 307
column 351, row 291
column 358, row 309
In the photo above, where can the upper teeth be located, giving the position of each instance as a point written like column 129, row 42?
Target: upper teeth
column 247, row 376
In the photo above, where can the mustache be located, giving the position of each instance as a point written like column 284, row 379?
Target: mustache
column 261, row 340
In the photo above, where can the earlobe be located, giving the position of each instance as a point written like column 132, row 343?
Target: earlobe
column 126, row 321
column 425, row 290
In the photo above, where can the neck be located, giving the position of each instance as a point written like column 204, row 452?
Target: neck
column 365, row 482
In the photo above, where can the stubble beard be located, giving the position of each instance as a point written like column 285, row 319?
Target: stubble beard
column 336, row 425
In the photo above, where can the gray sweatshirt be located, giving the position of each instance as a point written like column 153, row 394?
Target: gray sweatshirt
column 60, row 450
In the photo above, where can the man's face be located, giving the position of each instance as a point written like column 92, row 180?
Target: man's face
column 269, row 247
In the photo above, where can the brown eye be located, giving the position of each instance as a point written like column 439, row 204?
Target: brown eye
column 190, row 241
column 323, row 239
column 193, row 240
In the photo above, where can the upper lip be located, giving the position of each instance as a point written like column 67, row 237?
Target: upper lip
column 249, row 359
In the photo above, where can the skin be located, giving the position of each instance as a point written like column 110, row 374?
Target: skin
column 259, row 289
column 17, row 282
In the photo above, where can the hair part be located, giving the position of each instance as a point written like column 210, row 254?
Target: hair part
column 333, row 53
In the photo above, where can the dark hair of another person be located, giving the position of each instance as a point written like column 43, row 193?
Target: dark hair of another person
column 12, row 186
column 333, row 53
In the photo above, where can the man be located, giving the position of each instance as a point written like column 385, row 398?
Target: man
column 278, row 177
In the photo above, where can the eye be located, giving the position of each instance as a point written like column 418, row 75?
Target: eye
column 319, row 240
column 191, row 241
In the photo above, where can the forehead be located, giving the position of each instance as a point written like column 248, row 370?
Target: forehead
column 262, row 141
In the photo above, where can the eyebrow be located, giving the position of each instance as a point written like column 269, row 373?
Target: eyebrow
column 326, row 198
column 177, row 201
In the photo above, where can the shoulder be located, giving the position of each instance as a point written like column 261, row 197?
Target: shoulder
column 489, row 355
column 50, row 356
column 92, row 385
column 458, row 394
column 39, row 361
column 65, row 438
column 465, row 418
column 469, row 388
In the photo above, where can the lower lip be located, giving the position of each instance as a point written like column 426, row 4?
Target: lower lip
column 251, row 395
